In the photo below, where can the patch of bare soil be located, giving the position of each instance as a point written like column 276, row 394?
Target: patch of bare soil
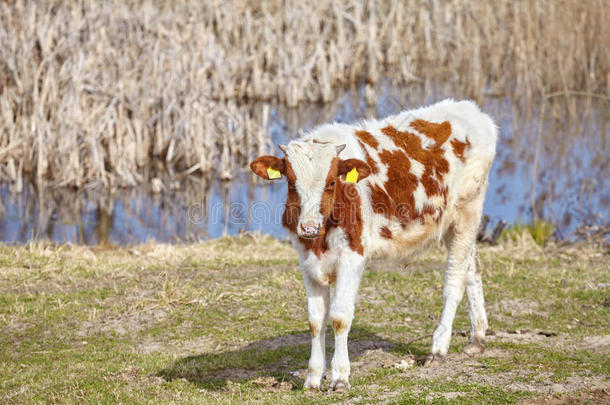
column 208, row 345
column 596, row 343
column 234, row 377
column 583, row 397
column 271, row 384
column 518, row 307
column 133, row 375
column 467, row 370
column 445, row 395
column 122, row 324
column 375, row 359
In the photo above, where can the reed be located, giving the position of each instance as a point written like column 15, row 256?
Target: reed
column 93, row 92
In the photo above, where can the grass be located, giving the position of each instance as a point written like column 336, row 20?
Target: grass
column 92, row 93
column 224, row 322
column 540, row 231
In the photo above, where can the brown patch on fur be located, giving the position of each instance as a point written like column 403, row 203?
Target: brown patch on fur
column 292, row 209
column 435, row 164
column 428, row 210
column 329, row 278
column 399, row 188
column 328, row 195
column 369, row 160
column 381, row 201
column 367, row 138
column 385, row 232
column 459, row 147
column 439, row 132
column 339, row 326
column 347, row 214
column 320, row 142
column 314, row 330
column 289, row 173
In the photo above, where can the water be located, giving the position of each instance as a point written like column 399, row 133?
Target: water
column 572, row 186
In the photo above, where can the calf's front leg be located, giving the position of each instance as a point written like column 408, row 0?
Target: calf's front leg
column 349, row 273
column 318, row 298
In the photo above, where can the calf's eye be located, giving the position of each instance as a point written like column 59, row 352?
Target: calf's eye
column 332, row 183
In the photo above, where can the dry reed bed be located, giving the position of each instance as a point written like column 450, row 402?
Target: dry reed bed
column 92, row 92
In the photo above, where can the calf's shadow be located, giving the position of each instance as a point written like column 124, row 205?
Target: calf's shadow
column 283, row 358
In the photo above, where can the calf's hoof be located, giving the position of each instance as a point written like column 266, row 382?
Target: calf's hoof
column 434, row 360
column 474, row 346
column 340, row 386
column 312, row 384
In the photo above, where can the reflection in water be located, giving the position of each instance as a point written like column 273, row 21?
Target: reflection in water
column 571, row 188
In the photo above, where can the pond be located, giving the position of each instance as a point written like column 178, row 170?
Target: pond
column 571, row 185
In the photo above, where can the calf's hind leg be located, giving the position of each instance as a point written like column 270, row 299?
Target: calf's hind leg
column 476, row 306
column 461, row 244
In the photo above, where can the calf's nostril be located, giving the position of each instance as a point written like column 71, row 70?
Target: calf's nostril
column 310, row 229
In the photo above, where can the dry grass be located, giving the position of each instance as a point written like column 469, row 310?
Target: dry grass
column 225, row 321
column 92, row 92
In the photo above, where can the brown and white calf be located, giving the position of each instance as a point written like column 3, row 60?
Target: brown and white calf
column 386, row 187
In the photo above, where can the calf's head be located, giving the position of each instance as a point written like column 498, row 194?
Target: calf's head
column 315, row 173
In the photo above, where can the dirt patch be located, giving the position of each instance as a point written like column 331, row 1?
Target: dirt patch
column 445, row 395
column 596, row 343
column 541, row 383
column 517, row 307
column 133, row 375
column 122, row 324
column 467, row 370
column 271, row 384
column 583, row 397
column 527, row 336
column 205, row 344
column 374, row 359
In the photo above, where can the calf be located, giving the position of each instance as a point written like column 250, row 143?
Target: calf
column 385, row 187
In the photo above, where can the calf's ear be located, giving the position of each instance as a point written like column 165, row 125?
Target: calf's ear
column 347, row 166
column 268, row 167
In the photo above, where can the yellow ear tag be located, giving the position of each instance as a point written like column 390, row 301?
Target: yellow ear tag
column 273, row 174
column 352, row 176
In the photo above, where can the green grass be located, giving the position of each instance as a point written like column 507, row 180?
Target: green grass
column 541, row 231
column 225, row 322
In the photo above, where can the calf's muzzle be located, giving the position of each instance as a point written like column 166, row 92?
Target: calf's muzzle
column 309, row 230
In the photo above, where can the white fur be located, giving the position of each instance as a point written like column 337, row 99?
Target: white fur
column 311, row 163
column 466, row 184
